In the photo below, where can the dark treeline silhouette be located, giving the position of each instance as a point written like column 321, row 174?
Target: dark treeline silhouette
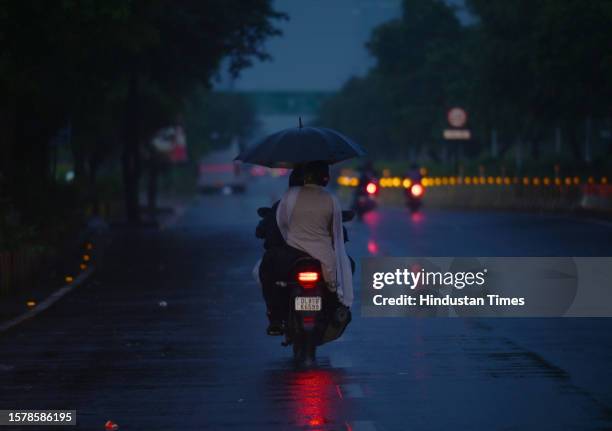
column 526, row 71
column 110, row 73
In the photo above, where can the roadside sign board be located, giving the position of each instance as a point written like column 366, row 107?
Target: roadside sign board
column 457, row 117
column 171, row 142
column 457, row 134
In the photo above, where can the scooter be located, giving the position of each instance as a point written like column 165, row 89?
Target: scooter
column 315, row 316
column 414, row 196
column 366, row 201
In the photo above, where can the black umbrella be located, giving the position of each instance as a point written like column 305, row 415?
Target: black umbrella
column 301, row 144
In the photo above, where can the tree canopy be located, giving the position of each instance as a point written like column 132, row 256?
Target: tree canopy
column 113, row 72
column 522, row 68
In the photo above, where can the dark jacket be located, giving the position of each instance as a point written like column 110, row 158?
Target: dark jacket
column 268, row 230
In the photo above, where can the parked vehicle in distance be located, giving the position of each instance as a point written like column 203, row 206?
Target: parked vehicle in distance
column 218, row 172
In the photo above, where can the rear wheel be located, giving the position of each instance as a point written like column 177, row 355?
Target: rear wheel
column 304, row 348
column 414, row 205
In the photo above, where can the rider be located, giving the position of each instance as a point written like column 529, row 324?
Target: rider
column 267, row 229
column 366, row 174
column 275, row 261
column 310, row 221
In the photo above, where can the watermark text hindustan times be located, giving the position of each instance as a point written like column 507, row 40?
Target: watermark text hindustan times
column 486, row 287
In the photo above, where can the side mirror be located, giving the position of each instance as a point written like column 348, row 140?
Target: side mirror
column 264, row 212
column 348, row 215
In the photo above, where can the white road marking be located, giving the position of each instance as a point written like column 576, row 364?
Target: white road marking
column 50, row 300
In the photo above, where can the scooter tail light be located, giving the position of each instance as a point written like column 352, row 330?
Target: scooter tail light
column 417, row 190
column 308, row 279
column 371, row 188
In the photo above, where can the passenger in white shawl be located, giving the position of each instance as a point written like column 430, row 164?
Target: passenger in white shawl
column 310, row 219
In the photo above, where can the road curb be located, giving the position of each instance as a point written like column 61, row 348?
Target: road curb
column 48, row 302
column 80, row 279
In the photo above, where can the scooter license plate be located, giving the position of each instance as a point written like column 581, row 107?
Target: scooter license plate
column 308, row 303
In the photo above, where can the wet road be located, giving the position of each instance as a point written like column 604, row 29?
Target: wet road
column 203, row 362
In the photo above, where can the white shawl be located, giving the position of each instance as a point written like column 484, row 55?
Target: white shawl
column 344, row 276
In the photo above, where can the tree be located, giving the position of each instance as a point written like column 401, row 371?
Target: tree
column 116, row 71
column 214, row 120
column 521, row 68
column 396, row 110
column 186, row 47
column 544, row 64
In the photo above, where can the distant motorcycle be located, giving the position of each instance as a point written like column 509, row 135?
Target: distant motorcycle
column 366, row 197
column 315, row 315
column 414, row 196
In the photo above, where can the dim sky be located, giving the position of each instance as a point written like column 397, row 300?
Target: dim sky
column 321, row 47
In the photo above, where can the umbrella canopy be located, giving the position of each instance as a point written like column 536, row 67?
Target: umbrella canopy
column 293, row 146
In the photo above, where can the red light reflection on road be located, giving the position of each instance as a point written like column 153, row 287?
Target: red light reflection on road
column 417, row 217
column 314, row 394
column 372, row 247
column 372, row 218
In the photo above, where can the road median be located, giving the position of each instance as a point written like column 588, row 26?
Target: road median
column 525, row 195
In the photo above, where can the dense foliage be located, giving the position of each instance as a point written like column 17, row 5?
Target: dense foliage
column 532, row 71
column 111, row 73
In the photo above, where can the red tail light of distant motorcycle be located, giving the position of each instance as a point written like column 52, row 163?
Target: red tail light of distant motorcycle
column 371, row 188
column 417, row 190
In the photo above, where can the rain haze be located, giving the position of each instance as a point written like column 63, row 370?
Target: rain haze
column 323, row 45
column 178, row 251
column 306, row 59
